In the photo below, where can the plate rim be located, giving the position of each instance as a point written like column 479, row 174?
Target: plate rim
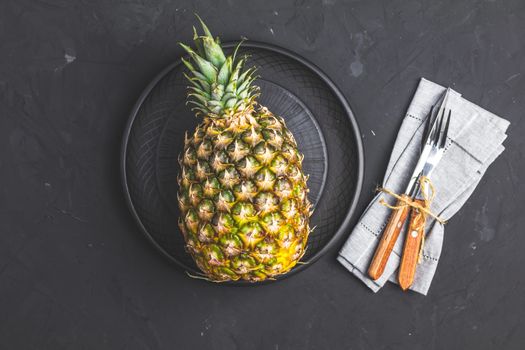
column 317, row 71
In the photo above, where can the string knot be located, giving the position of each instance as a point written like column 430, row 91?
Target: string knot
column 422, row 206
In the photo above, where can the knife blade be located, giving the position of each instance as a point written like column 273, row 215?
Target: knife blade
column 426, row 146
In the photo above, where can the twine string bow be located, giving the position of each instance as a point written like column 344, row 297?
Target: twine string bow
column 428, row 192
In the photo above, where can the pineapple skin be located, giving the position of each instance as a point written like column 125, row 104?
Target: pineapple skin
column 242, row 192
column 243, row 197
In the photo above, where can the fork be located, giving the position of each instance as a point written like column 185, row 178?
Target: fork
column 416, row 229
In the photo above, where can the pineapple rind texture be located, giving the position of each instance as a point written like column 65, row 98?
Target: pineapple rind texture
column 242, row 192
column 243, row 197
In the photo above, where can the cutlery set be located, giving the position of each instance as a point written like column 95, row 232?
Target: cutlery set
column 417, row 193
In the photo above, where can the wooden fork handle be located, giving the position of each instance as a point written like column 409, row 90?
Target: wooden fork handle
column 388, row 239
column 413, row 240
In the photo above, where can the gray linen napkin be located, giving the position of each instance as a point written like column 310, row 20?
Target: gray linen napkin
column 474, row 142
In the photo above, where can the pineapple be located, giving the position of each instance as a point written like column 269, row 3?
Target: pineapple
column 242, row 192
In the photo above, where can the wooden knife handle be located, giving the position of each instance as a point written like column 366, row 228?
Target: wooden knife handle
column 410, row 258
column 388, row 239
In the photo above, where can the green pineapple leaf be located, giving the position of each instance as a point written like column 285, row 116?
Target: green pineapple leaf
column 219, row 82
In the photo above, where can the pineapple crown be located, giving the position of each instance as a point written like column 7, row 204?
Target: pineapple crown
column 220, row 86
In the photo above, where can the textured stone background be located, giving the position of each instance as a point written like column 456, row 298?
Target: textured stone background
column 75, row 273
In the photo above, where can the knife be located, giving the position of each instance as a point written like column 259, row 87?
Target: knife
column 416, row 228
column 399, row 216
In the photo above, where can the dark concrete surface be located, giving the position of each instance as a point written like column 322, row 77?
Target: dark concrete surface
column 75, row 272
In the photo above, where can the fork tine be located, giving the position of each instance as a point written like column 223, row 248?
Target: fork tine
column 432, row 132
column 445, row 131
column 437, row 131
column 428, row 123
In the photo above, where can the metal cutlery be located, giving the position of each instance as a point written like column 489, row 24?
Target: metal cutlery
column 416, row 228
column 400, row 214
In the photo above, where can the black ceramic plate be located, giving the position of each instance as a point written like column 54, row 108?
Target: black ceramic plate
column 314, row 110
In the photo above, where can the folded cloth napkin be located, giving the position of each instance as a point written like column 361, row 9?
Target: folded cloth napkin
column 475, row 140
